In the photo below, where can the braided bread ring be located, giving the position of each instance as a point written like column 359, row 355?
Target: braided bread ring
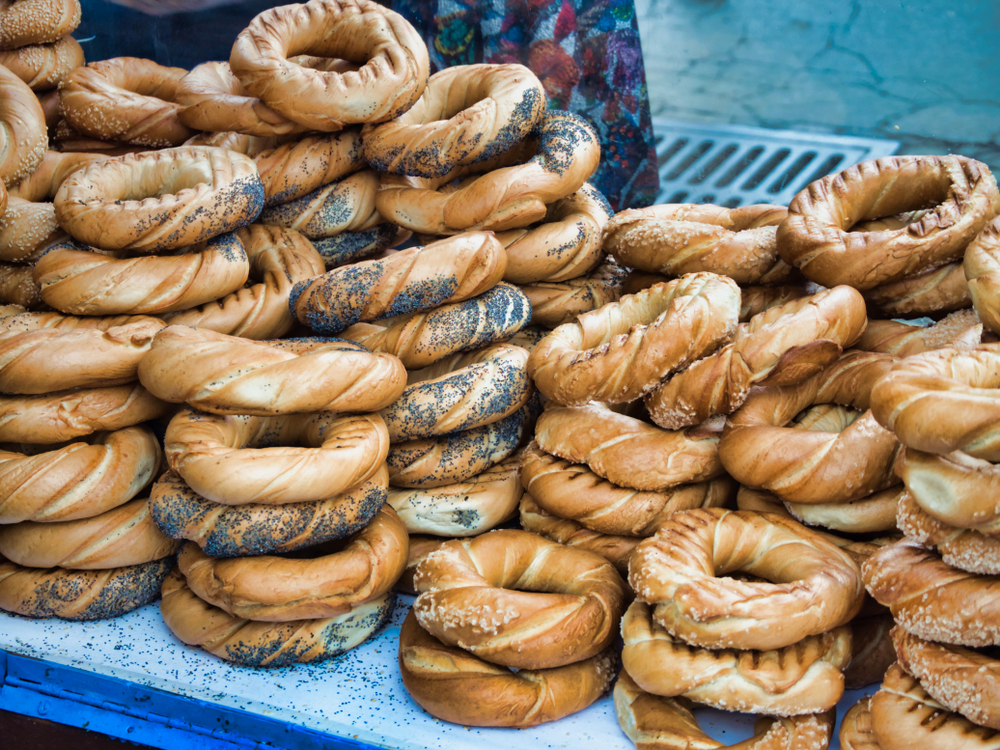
column 762, row 447
column 756, row 299
column 160, row 200
column 23, row 136
column 965, row 549
column 959, row 330
column 391, row 80
column 574, row 492
column 872, row 513
column 458, row 687
column 558, row 158
column 25, row 22
column 816, row 585
column 266, row 644
column 932, row 292
column 44, row 66
column 816, row 236
column 554, row 303
column 293, row 170
column 350, row 247
column 344, row 205
column 255, row 529
column 856, row 731
column 229, row 375
column 279, row 258
column 466, row 115
column 804, row 678
column 653, row 722
column 623, row 350
column 42, row 184
column 681, row 238
column 982, row 270
column 551, row 605
column 82, row 281
column 465, row 508
column 80, row 594
column 315, row 584
column 784, row 345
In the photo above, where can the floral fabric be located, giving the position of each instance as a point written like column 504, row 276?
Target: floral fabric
column 585, row 52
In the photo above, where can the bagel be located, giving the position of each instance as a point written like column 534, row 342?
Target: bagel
column 466, row 115
column 393, row 77
column 680, row 238
column 816, row 236
column 865, row 515
column 344, row 205
column 554, row 303
column 80, row 594
column 551, row 605
column 454, row 685
column 44, row 182
column 936, row 292
column 959, row 330
column 784, row 345
column 349, row 247
column 965, row 549
column 312, row 584
column 44, row 66
column 624, row 349
column 256, row 529
column 267, row 644
column 556, row 160
column 239, row 460
column 23, row 136
column 37, row 21
column 856, row 731
column 421, row 278
column 230, row 375
column 810, row 586
column 295, row 169
column 160, row 200
column 981, row 266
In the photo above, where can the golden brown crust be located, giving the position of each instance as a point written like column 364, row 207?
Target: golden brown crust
column 935, row 292
column 856, row 731
column 865, row 515
column 27, row 229
column 959, row 330
column 965, row 549
column 872, row 651
column 37, row 21
column 44, row 66
column 23, row 135
column 981, row 270
column 757, row 299
column 44, row 182
column 554, row 303
column 343, row 205
column 295, row 169
column 18, row 287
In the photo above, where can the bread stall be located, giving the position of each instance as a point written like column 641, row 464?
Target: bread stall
column 386, row 375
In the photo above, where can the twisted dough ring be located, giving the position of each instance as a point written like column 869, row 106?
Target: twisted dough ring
column 762, row 446
column 856, row 731
column 160, row 200
column 623, row 350
column 44, row 66
column 79, row 280
column 465, row 508
column 344, row 205
column 54, row 359
column 931, row 599
column 389, row 83
column 815, row 588
column 23, row 136
column 756, row 299
column 965, row 549
column 42, row 184
column 125, row 99
column 314, row 584
column 421, row 278
column 628, row 451
column 18, row 287
column 816, row 236
column 229, row 375
column 461, row 392
column 653, row 722
column 279, row 258
column 781, row 346
column 80, row 594
column 554, row 303
column 551, row 605
column 295, row 169
column 959, row 330
column 256, row 529
column 420, row 339
column 267, row 644
column 982, row 270
column 467, row 114
column 461, row 688
column 27, row 229
column 574, row 492
column 242, row 460
column 956, row 489
column 943, row 401
column 37, row 21
column 872, row 513
column 559, row 157
column 804, row 678
column 935, row 292
column 681, row 238
column 349, row 247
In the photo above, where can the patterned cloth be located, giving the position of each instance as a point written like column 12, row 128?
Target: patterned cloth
column 585, row 52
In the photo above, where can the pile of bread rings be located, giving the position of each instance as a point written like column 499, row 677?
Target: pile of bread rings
column 702, row 420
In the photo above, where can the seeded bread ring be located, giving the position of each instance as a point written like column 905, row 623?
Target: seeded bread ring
column 44, row 66
column 349, row 247
column 982, row 269
column 965, row 549
column 239, row 460
column 44, row 182
column 23, row 136
column 27, row 229
column 554, row 303
column 37, row 21
column 343, row 205
column 159, row 200
column 267, row 644
column 255, row 529
column 295, row 169
column 80, row 594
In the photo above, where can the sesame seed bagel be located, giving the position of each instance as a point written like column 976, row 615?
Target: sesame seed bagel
column 624, row 349
column 79, row 480
column 239, row 460
column 23, row 136
column 314, row 583
column 461, row 688
column 804, row 678
column 959, row 330
column 519, row 600
column 37, row 21
column 27, row 229
column 343, row 205
column 267, row 644
column 44, row 66
column 293, row 170
column 44, row 182
column 965, row 549
column 257, row 529
column 160, row 200
column 809, row 587
column 231, row 375
column 80, row 594
column 554, row 303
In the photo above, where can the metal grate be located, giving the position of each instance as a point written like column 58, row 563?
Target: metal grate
column 731, row 165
